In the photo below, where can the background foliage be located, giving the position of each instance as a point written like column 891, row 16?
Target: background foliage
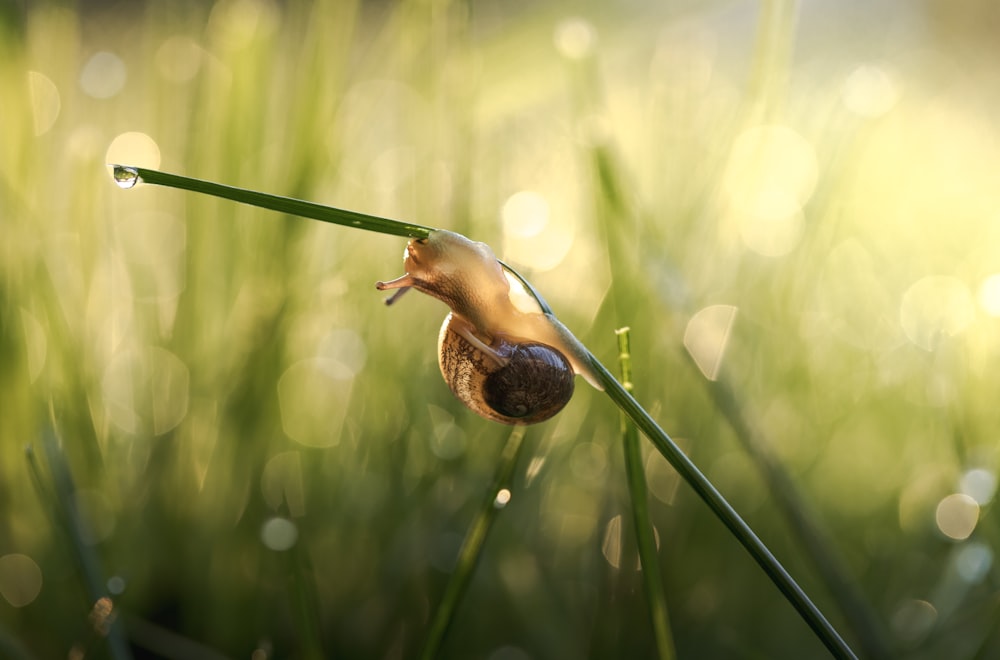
column 264, row 459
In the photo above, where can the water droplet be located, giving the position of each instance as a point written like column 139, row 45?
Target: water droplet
column 125, row 177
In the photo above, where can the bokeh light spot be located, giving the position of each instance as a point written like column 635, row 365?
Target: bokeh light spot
column 957, row 516
column 980, row 484
column 771, row 234
column 913, row 619
column 20, row 579
column 179, row 58
column 45, row 102
column 448, row 439
column 575, row 38
column 772, row 173
column 870, row 91
column 934, row 308
column 588, row 461
column 103, row 76
column 973, row 561
column 535, row 234
column 707, row 335
column 346, row 347
column 116, row 585
column 525, row 214
column 502, row 498
column 661, row 477
column 313, row 395
column 611, row 547
column 279, row 534
column 146, row 390
column 134, row 148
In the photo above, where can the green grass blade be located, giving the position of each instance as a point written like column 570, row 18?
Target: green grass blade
column 472, row 546
column 126, row 176
column 724, row 512
column 67, row 518
column 645, row 537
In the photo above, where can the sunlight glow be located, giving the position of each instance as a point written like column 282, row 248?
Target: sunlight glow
column 20, row 579
column 535, row 234
column 134, row 148
column 525, row 214
column 957, row 516
column 989, row 295
column 935, row 308
column 771, row 174
column 870, row 91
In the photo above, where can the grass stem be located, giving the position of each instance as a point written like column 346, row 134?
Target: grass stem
column 644, row 533
column 287, row 205
column 724, row 512
column 472, row 547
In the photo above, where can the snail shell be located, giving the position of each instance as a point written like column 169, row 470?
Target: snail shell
column 500, row 354
column 512, row 383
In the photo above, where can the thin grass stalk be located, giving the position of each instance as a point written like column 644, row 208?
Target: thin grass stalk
column 305, row 603
column 612, row 388
column 472, row 546
column 652, row 578
column 67, row 518
column 724, row 512
column 127, row 176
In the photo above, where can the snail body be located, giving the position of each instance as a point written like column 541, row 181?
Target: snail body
column 501, row 355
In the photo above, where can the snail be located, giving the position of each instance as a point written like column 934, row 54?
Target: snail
column 499, row 352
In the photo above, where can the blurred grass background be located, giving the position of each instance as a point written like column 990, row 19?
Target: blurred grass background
column 805, row 196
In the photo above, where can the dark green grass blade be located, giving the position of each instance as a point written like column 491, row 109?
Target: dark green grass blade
column 645, row 536
column 724, row 512
column 66, row 518
column 122, row 174
column 472, row 546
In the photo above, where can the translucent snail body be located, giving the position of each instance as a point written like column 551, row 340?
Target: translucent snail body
column 504, row 358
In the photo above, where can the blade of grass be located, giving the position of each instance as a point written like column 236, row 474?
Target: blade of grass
column 472, row 546
column 305, row 602
column 644, row 534
column 724, row 512
column 274, row 202
column 67, row 518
